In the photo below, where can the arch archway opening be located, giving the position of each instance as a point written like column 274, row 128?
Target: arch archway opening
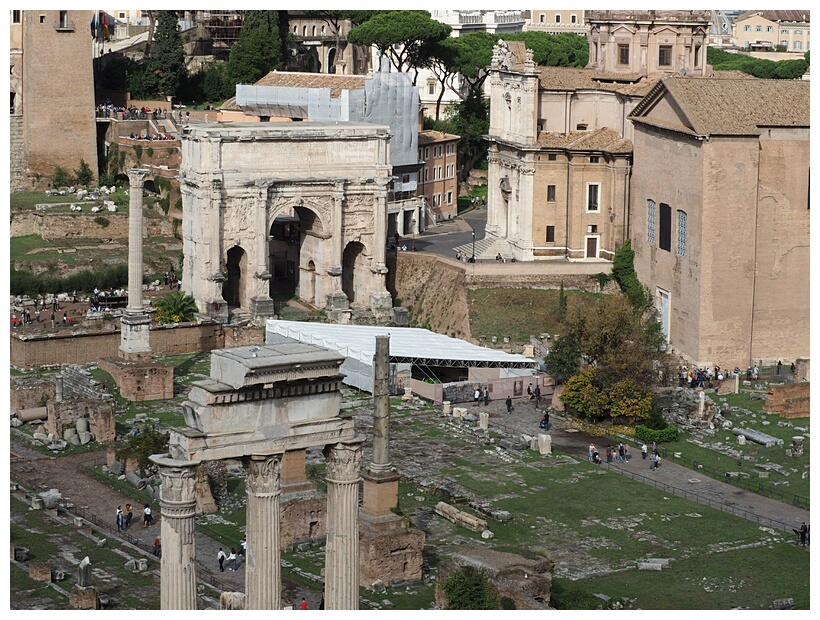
column 353, row 271
column 232, row 288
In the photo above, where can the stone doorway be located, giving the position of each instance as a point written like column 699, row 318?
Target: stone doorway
column 285, row 241
column 310, row 283
column 232, row 289
column 353, row 270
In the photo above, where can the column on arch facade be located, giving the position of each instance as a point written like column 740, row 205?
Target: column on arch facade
column 263, row 581
column 177, row 532
column 342, row 548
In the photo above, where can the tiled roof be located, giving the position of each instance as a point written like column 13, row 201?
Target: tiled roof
column 428, row 136
column 776, row 16
column 336, row 83
column 736, row 107
column 603, row 140
column 572, row 78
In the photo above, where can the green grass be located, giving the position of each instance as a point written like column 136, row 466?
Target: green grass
column 20, row 246
column 513, row 312
column 28, row 200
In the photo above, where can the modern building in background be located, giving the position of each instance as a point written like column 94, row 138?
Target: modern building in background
column 786, row 31
column 556, row 21
column 438, row 177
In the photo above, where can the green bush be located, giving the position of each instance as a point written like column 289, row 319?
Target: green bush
column 138, row 152
column 26, row 283
column 468, row 588
column 61, row 177
column 84, row 174
column 666, row 435
column 102, row 221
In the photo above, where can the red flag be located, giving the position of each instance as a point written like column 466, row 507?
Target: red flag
column 105, row 28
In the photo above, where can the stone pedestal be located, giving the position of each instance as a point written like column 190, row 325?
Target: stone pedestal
column 263, row 582
column 337, row 300
column 484, row 421
column 342, row 549
column 380, row 492
column 178, row 508
column 135, row 337
column 390, row 550
column 262, row 307
column 140, row 380
column 84, row 598
column 544, row 444
column 446, row 409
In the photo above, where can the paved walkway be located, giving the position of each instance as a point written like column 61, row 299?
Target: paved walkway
column 671, row 476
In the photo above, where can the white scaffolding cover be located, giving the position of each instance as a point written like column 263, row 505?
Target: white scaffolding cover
column 411, row 345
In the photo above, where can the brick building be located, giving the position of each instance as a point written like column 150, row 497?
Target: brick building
column 52, row 95
column 438, row 177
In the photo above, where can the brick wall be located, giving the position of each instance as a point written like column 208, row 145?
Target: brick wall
column 83, row 348
column 790, row 401
column 18, row 167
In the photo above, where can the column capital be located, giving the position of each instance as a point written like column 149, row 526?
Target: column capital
column 263, row 474
column 136, row 177
column 344, row 461
column 177, row 479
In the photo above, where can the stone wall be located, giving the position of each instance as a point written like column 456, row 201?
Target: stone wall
column 84, row 347
column 79, row 383
column 789, row 401
column 57, row 226
column 30, row 392
column 17, row 163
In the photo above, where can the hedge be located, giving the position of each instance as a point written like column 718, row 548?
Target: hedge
column 666, row 435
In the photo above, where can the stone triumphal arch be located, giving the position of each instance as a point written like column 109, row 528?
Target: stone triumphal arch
column 295, row 208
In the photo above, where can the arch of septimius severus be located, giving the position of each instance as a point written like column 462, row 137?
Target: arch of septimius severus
column 297, row 208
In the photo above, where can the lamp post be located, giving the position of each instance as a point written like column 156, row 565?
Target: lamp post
column 472, row 260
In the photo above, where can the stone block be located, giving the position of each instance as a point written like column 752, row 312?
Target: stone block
column 484, row 421
column 51, row 498
column 84, row 598
column 21, row 554
column 459, row 412
column 85, row 438
column 544, row 444
column 446, row 408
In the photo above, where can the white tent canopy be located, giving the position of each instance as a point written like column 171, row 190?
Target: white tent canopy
column 410, row 345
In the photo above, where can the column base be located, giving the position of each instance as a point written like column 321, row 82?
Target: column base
column 135, row 336
column 380, row 493
column 216, row 309
column 337, row 300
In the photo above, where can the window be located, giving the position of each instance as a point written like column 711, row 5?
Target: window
column 784, row 31
column 581, row 127
column 784, row 43
column 769, row 28
column 449, row 198
column 426, row 174
column 121, row 15
column 593, row 159
column 697, row 55
column 552, row 157
column 681, row 233
column 15, row 17
column 573, row 18
column 665, row 241
column 557, row 18
column 405, row 178
column 798, row 45
column 64, row 19
column 592, row 196
column 798, row 31
column 431, row 88
column 542, row 18
column 650, row 222
column 550, row 234
column 623, row 54
column 42, row 19
column 550, row 193
column 426, row 152
column 747, row 28
column 665, row 56
column 758, row 28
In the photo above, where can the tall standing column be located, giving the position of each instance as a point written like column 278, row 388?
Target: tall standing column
column 135, row 325
column 178, row 507
column 263, row 581
column 342, row 549
column 136, row 181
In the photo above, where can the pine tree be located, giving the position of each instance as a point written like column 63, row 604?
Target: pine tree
column 259, row 50
column 165, row 66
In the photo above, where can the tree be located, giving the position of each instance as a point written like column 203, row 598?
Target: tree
column 399, row 35
column 83, row 173
column 474, row 55
column 554, row 50
column 259, row 50
column 439, row 57
column 334, row 21
column 564, row 357
column 165, row 66
column 468, row 588
column 176, row 307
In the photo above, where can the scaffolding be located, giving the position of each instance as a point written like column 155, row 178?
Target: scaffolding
column 223, row 26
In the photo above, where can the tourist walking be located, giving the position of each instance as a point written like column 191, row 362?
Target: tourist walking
column 147, row 516
column 621, row 452
column 120, row 519
column 643, row 451
column 232, row 559
column 537, row 395
column 509, row 404
column 486, row 396
column 220, row 557
column 803, row 533
column 476, row 397
column 128, row 515
column 157, row 547
column 243, row 546
column 303, row 604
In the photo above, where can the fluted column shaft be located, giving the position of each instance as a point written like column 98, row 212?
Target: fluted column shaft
column 342, row 549
column 136, row 180
column 178, row 508
column 263, row 580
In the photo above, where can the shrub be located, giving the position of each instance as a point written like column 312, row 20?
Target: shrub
column 142, row 446
column 107, row 179
column 102, row 221
column 149, row 151
column 176, row 307
column 26, row 283
column 666, row 435
column 138, row 152
column 468, row 588
column 84, row 174
column 61, row 177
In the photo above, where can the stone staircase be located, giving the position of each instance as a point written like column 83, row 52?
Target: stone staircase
column 487, row 249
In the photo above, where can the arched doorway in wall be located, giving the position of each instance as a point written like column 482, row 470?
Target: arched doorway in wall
column 288, row 236
column 331, row 61
column 353, row 271
column 233, row 287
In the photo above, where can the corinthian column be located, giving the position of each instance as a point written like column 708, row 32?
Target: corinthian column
column 178, row 506
column 342, row 549
column 263, row 582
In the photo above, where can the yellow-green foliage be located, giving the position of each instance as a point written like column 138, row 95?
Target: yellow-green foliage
column 626, row 398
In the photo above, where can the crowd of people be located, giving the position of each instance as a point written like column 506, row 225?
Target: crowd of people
column 706, row 377
column 150, row 137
